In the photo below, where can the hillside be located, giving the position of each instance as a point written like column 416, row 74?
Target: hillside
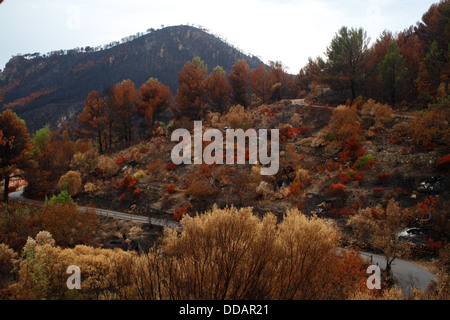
column 318, row 174
column 46, row 89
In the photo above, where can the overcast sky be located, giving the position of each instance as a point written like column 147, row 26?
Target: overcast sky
column 289, row 31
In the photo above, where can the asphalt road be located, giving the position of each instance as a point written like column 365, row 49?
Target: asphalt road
column 408, row 274
column 18, row 196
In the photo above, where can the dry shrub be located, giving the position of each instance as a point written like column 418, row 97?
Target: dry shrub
column 139, row 174
column 345, row 123
column 135, row 232
column 383, row 114
column 296, row 120
column 106, row 274
column 85, row 163
column 301, row 175
column 108, row 166
column 202, row 188
column 44, row 237
column 155, row 167
column 368, row 109
column 264, row 190
column 431, row 125
column 223, row 254
column 90, row 188
column 292, row 260
column 71, row 182
column 237, row 118
column 400, row 132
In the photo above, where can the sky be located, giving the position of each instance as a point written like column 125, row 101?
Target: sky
column 288, row 31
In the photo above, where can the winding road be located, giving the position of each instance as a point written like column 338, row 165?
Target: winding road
column 409, row 275
column 18, row 196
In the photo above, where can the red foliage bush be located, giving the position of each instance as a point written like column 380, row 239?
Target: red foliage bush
column 352, row 150
column 143, row 149
column 180, row 213
column 171, row 166
column 120, row 161
column 136, row 192
column 171, row 189
column 338, row 190
column 127, row 183
column 344, row 178
column 122, row 196
column 378, row 191
column 435, row 245
column 304, row 130
column 291, row 132
column 443, row 163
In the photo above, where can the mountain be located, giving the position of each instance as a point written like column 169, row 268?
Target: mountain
column 49, row 89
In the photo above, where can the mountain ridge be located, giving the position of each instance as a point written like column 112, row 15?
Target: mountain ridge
column 53, row 87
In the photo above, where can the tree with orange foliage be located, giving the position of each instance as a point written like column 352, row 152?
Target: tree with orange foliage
column 125, row 100
column 218, row 89
column 50, row 157
column 191, row 93
column 154, row 97
column 261, row 83
column 239, row 79
column 14, row 143
column 68, row 225
column 93, row 118
column 280, row 81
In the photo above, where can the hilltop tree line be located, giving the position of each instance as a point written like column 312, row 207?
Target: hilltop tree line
column 412, row 65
